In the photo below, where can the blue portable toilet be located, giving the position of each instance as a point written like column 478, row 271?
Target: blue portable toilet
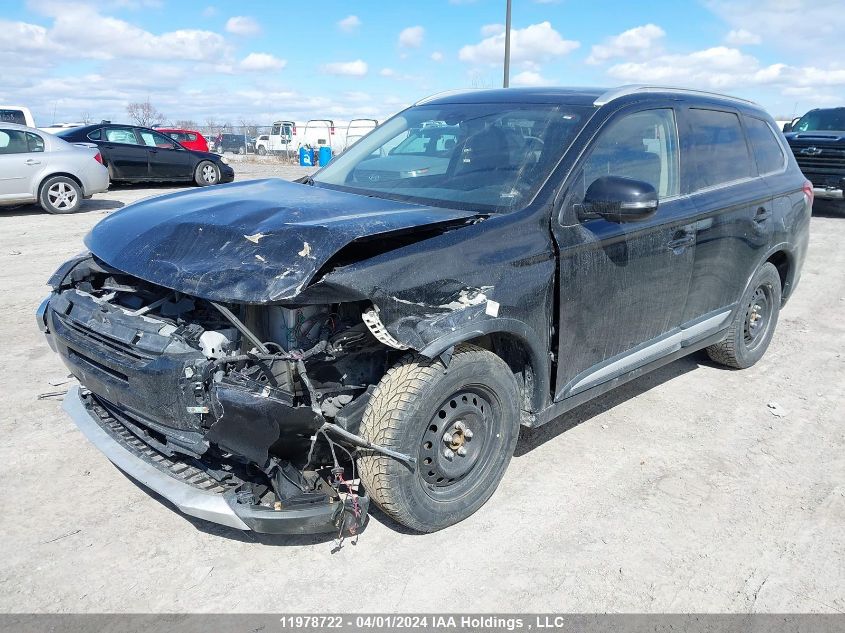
column 306, row 157
column 325, row 155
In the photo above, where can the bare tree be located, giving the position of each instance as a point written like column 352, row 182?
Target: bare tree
column 144, row 113
column 185, row 124
column 85, row 117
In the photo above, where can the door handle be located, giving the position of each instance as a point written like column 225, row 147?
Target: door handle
column 32, row 161
column 681, row 240
column 762, row 214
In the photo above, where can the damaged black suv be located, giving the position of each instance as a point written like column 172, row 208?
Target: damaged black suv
column 272, row 355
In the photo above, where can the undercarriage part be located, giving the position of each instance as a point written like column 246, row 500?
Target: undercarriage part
column 371, row 318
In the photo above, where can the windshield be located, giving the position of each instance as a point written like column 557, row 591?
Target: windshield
column 821, row 120
column 491, row 157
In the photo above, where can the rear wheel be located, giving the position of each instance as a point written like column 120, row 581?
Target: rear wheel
column 754, row 324
column 206, row 173
column 60, row 194
column 461, row 424
column 261, row 150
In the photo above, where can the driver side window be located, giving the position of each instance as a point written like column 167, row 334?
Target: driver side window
column 641, row 146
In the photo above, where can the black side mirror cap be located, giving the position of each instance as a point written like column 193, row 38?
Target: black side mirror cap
column 787, row 127
column 619, row 199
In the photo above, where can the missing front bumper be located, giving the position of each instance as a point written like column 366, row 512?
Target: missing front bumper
column 196, row 495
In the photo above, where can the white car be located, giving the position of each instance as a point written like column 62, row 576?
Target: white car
column 42, row 168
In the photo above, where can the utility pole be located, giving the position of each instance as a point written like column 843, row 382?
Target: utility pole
column 506, row 81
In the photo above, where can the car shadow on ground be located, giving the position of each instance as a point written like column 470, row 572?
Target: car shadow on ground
column 87, row 206
column 531, row 438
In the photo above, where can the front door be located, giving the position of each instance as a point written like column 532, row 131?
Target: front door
column 623, row 286
column 124, row 154
column 168, row 159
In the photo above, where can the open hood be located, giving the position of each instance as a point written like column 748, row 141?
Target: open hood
column 256, row 241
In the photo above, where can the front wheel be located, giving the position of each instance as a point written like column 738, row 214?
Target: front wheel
column 206, row 173
column 60, row 194
column 261, row 150
column 754, row 324
column 460, row 423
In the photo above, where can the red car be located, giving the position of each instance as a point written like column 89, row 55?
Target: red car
column 189, row 139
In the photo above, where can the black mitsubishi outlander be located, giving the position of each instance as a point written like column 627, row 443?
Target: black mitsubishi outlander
column 273, row 356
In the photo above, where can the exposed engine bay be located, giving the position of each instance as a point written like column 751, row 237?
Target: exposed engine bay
column 266, row 399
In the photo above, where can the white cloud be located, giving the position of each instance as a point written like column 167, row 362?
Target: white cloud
column 533, row 44
column 636, row 42
column 437, row 56
column 262, row 61
column 357, row 68
column 79, row 31
column 349, row 24
column 742, row 37
column 492, row 29
column 243, row 25
column 209, row 12
column 529, row 78
column 412, row 37
column 387, row 72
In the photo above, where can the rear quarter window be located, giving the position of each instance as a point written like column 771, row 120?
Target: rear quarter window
column 717, row 152
column 767, row 150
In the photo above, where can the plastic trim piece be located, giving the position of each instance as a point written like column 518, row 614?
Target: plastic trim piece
column 192, row 501
column 624, row 91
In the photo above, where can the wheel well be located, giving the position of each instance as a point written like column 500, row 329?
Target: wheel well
column 781, row 262
column 511, row 350
column 60, row 173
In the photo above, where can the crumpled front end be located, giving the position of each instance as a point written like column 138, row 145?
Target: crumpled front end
column 254, row 406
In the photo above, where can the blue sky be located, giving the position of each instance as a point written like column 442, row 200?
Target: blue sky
column 260, row 60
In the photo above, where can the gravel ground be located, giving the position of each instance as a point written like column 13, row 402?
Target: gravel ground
column 680, row 491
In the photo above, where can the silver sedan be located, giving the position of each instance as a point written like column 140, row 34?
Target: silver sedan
column 38, row 167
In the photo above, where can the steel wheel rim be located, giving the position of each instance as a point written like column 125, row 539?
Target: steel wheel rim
column 61, row 195
column 466, row 426
column 758, row 317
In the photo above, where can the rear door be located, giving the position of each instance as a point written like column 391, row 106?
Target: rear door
column 22, row 160
column 734, row 207
column 623, row 286
column 124, row 154
column 168, row 160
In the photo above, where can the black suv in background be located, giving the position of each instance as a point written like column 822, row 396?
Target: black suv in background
column 140, row 154
column 252, row 365
column 235, row 143
column 818, row 141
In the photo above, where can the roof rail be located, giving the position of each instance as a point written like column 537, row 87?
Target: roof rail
column 443, row 93
column 623, row 91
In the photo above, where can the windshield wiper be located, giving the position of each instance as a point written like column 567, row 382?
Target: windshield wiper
column 306, row 180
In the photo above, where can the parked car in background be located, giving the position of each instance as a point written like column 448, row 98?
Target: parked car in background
column 235, row 143
column 16, row 114
column 417, row 320
column 190, row 139
column 38, row 167
column 817, row 140
column 139, row 154
column 60, row 127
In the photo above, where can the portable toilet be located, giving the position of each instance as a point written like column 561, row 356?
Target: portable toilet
column 306, row 157
column 325, row 155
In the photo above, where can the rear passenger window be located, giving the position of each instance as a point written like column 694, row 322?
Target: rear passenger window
column 767, row 150
column 717, row 152
column 34, row 142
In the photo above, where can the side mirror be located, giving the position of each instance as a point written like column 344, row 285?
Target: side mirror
column 620, row 199
column 787, row 127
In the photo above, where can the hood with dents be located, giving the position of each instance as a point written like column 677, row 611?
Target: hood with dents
column 256, row 241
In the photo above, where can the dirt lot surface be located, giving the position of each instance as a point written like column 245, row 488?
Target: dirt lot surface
column 681, row 491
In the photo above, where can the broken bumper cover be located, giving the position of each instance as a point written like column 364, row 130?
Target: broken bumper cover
column 199, row 500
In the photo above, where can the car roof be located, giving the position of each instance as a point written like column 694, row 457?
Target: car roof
column 589, row 96
column 18, row 126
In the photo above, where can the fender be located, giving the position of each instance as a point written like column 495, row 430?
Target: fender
column 537, row 357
